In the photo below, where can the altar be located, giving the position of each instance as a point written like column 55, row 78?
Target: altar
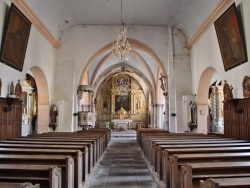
column 122, row 124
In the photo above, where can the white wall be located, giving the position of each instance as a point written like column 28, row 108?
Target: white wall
column 80, row 43
column 39, row 53
column 206, row 53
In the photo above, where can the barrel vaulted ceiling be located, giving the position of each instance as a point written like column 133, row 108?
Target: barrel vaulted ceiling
column 59, row 15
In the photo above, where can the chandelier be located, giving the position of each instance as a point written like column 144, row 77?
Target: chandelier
column 121, row 48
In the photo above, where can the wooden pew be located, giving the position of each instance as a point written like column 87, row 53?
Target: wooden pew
column 179, row 160
column 225, row 183
column 74, row 137
column 167, row 153
column 83, row 149
column 149, row 130
column 92, row 147
column 193, row 173
column 45, row 175
column 153, row 144
column 84, row 135
column 158, row 148
column 75, row 154
column 66, row 163
column 201, row 144
column 18, row 185
column 148, row 141
column 100, row 130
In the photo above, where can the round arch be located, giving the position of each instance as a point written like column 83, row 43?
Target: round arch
column 135, row 44
column 202, row 99
column 43, row 99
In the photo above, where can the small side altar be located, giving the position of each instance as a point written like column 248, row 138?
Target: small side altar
column 122, row 124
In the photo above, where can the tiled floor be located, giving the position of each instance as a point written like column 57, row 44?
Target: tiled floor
column 122, row 166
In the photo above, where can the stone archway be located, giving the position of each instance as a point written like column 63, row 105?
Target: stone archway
column 136, row 45
column 202, row 99
column 43, row 99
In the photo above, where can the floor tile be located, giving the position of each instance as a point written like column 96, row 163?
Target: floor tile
column 122, row 166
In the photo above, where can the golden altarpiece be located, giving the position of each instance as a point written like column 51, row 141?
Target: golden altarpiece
column 121, row 104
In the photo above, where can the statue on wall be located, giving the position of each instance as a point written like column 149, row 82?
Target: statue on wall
column 246, row 86
column 18, row 90
column 227, row 91
column 53, row 116
column 0, row 87
column 192, row 115
column 12, row 90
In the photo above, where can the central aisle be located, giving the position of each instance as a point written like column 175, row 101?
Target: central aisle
column 122, row 166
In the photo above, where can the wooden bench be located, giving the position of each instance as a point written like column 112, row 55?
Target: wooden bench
column 167, row 153
column 201, row 144
column 71, row 137
column 193, row 173
column 92, row 148
column 18, row 185
column 51, row 145
column 225, row 183
column 179, row 160
column 83, row 149
column 66, row 163
column 75, row 154
column 159, row 147
column 45, row 175
column 99, row 137
column 148, row 141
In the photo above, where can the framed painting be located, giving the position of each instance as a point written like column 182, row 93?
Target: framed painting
column 231, row 40
column 122, row 101
column 15, row 39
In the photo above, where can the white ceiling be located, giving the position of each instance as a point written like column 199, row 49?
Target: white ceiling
column 59, row 15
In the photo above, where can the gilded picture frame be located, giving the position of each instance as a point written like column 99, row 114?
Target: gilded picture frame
column 231, row 40
column 15, row 39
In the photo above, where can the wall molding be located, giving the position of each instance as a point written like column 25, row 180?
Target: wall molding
column 26, row 10
column 217, row 12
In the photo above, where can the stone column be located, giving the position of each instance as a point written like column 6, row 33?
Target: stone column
column 171, row 81
column 166, row 117
column 159, row 116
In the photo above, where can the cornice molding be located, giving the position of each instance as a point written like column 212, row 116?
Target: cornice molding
column 217, row 12
column 26, row 10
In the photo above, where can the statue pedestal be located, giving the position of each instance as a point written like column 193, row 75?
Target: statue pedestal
column 192, row 126
column 53, row 126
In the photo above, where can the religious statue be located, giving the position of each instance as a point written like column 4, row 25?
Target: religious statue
column 12, row 91
column 192, row 115
column 227, row 90
column 162, row 79
column 18, row 90
column 0, row 86
column 53, row 114
column 246, row 86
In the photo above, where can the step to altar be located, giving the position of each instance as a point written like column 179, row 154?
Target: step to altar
column 123, row 134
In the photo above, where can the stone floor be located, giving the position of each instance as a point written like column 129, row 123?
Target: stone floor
column 122, row 166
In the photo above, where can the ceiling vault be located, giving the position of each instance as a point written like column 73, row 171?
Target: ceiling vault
column 27, row 11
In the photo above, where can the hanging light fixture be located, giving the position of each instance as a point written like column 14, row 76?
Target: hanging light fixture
column 121, row 48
